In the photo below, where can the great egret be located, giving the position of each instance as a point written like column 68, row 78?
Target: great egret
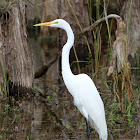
column 81, row 87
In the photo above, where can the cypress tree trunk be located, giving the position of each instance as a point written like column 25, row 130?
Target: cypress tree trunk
column 17, row 64
column 130, row 12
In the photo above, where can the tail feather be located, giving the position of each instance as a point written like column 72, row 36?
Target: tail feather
column 102, row 134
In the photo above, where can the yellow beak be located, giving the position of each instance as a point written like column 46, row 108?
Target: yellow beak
column 44, row 24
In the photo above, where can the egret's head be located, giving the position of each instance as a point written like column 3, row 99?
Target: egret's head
column 59, row 23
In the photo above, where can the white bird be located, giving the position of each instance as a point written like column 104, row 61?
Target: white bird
column 81, row 87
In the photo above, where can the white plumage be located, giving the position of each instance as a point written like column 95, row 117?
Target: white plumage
column 81, row 87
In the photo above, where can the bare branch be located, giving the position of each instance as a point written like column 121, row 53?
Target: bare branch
column 45, row 67
column 95, row 24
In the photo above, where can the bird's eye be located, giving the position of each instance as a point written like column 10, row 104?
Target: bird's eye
column 56, row 22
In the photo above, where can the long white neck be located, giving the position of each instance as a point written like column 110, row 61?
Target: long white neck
column 66, row 71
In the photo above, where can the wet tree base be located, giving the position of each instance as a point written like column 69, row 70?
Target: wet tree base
column 19, row 91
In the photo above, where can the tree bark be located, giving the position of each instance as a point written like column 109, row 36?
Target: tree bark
column 130, row 14
column 14, row 48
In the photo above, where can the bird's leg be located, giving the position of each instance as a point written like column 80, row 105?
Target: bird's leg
column 88, row 130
